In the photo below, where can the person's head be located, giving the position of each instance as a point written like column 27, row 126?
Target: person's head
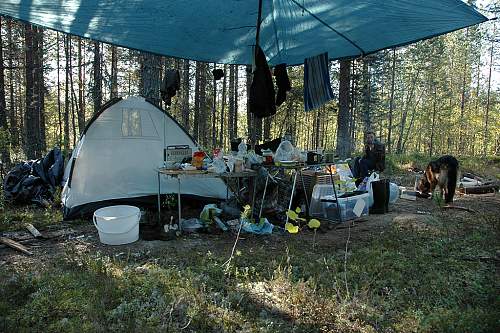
column 369, row 137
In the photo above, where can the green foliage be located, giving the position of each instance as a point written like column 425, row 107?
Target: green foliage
column 14, row 218
column 407, row 279
column 170, row 202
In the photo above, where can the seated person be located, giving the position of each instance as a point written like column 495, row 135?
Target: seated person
column 373, row 158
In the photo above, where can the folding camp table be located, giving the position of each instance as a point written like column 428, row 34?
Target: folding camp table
column 297, row 171
column 200, row 173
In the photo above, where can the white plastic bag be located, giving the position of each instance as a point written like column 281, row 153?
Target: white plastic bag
column 373, row 178
column 242, row 149
column 393, row 193
column 284, row 152
column 219, row 165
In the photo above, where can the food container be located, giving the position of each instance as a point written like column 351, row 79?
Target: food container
column 238, row 164
column 198, row 158
column 268, row 156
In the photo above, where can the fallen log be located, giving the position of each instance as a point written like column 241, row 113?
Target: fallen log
column 480, row 189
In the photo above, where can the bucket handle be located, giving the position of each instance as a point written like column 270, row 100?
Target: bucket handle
column 109, row 232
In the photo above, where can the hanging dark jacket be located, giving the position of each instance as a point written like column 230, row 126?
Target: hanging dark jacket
column 169, row 86
column 283, row 83
column 262, row 100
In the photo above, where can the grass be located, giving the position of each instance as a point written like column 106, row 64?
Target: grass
column 405, row 280
column 433, row 274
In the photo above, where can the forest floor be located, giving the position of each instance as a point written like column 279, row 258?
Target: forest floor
column 419, row 268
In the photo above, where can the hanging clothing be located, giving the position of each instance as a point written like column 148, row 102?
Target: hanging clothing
column 317, row 87
column 261, row 99
column 169, row 86
column 283, row 83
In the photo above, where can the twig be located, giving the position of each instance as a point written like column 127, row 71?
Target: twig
column 460, row 208
column 345, row 259
column 189, row 322
column 228, row 261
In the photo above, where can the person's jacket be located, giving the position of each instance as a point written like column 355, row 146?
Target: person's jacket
column 377, row 155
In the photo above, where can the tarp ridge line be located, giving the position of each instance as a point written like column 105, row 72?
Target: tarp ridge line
column 329, row 26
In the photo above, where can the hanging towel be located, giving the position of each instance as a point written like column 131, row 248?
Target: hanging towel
column 262, row 100
column 283, row 83
column 317, row 87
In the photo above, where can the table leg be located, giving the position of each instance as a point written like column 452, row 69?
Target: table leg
column 159, row 204
column 179, row 200
column 335, row 193
column 291, row 196
column 263, row 196
column 305, row 192
column 253, row 194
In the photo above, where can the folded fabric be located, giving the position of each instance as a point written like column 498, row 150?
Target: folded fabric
column 317, row 87
column 283, row 83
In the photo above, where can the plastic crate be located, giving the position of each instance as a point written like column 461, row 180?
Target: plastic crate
column 323, row 207
column 346, row 207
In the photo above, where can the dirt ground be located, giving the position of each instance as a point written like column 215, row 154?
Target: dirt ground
column 63, row 237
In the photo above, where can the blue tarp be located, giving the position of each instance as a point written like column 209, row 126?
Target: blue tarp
column 223, row 31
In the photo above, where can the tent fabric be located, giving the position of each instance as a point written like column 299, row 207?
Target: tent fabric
column 119, row 153
column 224, row 31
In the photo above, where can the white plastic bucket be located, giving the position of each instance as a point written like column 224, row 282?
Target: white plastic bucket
column 117, row 224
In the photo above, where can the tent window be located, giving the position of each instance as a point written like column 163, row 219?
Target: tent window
column 131, row 123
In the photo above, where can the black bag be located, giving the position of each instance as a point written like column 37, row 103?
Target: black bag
column 380, row 190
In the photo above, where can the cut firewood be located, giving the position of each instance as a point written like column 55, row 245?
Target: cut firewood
column 15, row 245
column 460, row 208
column 34, row 231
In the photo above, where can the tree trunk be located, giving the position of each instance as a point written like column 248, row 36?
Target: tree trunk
column 232, row 89
column 97, row 88
column 59, row 114
column 367, row 120
column 71, row 91
column 202, row 131
column 250, row 118
column 40, row 87
column 267, row 128
column 114, row 72
column 14, row 130
column 66, row 94
column 462, row 125
column 399, row 146
column 343, row 140
column 353, row 113
column 214, row 110
column 433, row 124
column 185, row 95
column 196, row 120
column 486, row 113
column 4, row 150
column 391, row 102
column 222, row 109
column 150, row 77
column 81, row 85
column 235, row 116
column 30, row 128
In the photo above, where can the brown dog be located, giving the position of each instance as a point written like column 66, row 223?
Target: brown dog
column 442, row 172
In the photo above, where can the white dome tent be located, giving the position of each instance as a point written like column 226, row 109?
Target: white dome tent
column 118, row 154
